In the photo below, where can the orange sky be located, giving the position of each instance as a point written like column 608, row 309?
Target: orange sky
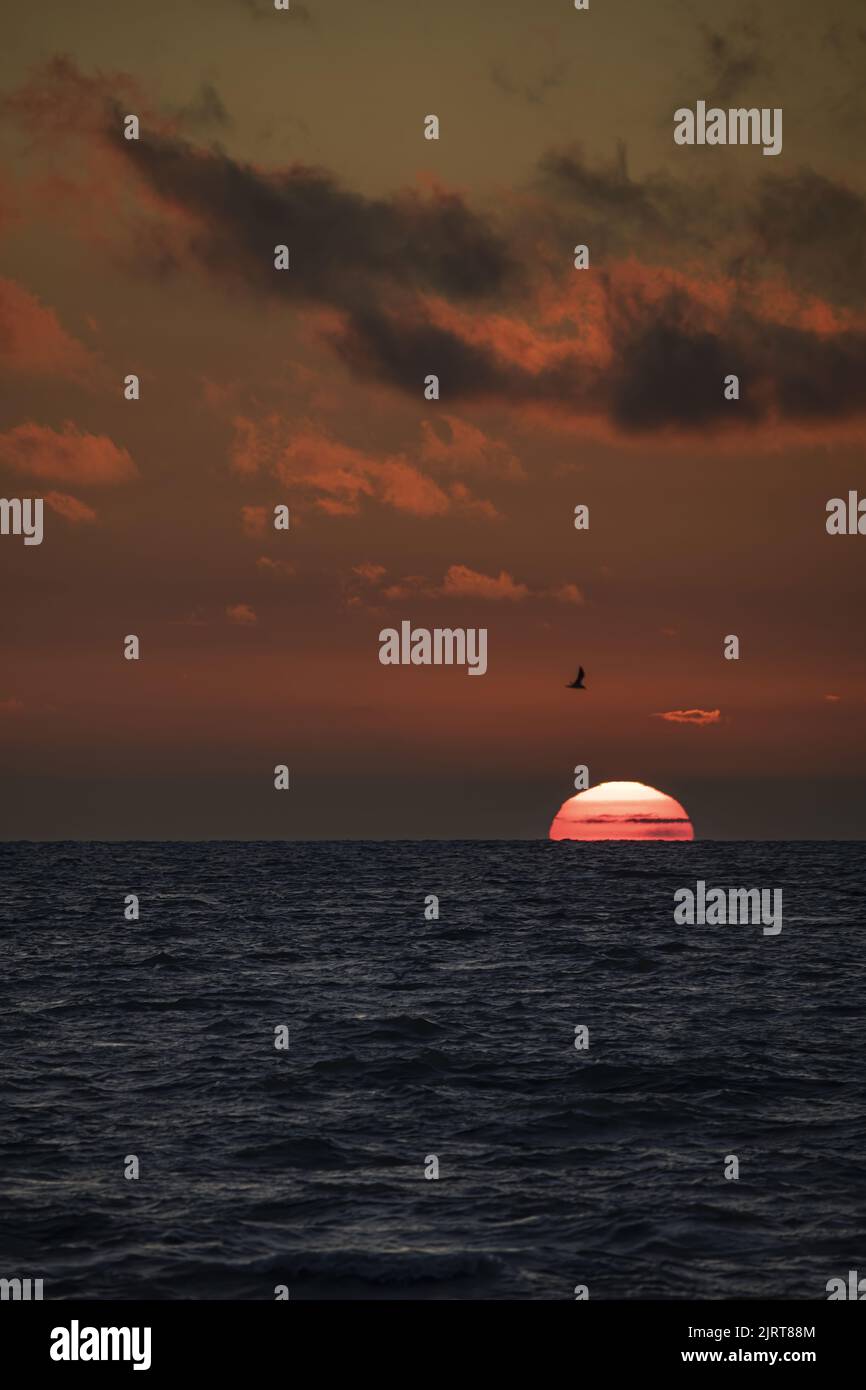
column 559, row 387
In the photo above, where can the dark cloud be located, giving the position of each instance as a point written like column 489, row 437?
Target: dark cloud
column 815, row 230
column 634, row 820
column 207, row 111
column 732, row 60
column 337, row 239
column 661, row 342
column 820, row 376
column 840, row 100
column 402, row 349
column 667, row 368
column 535, row 90
column 845, row 40
column 607, row 190
column 617, row 214
column 808, row 226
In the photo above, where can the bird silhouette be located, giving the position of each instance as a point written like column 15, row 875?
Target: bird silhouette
column 578, row 684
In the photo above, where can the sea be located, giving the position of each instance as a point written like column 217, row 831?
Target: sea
column 471, row 1070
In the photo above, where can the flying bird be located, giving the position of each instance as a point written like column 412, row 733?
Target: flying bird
column 578, row 684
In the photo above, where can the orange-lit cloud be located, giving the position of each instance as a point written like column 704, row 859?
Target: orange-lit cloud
column 452, row 443
column 339, row 477
column 567, row 593
column 690, row 716
column 473, row 506
column 253, row 520
column 407, row 489
column 372, row 573
column 241, row 614
column 70, row 507
column 58, row 99
column 276, row 568
column 631, row 350
column 66, row 456
column 32, row 340
column 641, row 351
column 462, row 582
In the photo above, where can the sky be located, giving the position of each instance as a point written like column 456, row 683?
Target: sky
column 559, row 387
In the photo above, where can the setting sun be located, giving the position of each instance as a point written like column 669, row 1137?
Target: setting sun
column 621, row 811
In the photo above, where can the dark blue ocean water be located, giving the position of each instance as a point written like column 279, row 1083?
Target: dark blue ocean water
column 411, row 1038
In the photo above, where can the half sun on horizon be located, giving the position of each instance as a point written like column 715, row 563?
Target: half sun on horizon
column 621, row 811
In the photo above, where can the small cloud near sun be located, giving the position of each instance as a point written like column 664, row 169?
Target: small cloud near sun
column 690, row 716
column 834, row 699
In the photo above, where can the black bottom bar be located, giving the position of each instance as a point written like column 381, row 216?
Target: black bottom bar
column 310, row 1338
